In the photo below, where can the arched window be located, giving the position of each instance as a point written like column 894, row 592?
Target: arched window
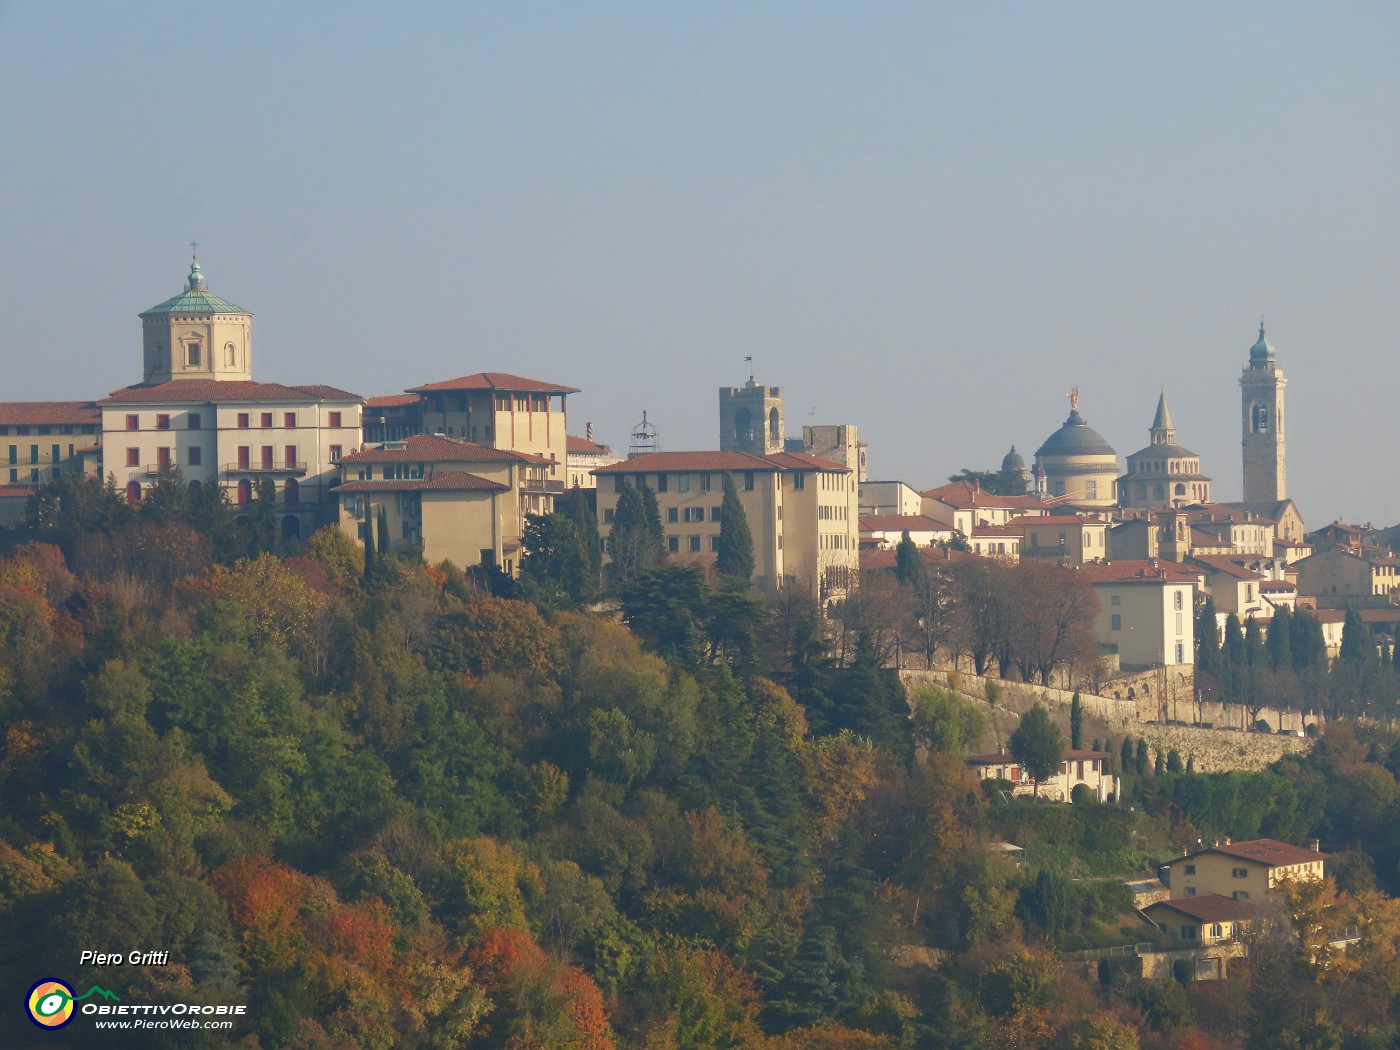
column 245, row 492
column 743, row 425
column 773, row 425
column 230, row 355
column 1259, row 419
column 133, row 493
column 195, row 489
column 291, row 492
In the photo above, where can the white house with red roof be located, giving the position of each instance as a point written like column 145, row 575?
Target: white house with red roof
column 962, row 505
column 1146, row 613
column 586, row 456
column 1089, row 768
column 199, row 409
column 878, row 531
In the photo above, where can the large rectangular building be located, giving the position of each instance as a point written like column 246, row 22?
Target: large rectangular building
column 802, row 511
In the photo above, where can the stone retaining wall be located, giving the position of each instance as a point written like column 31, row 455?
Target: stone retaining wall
column 1106, row 718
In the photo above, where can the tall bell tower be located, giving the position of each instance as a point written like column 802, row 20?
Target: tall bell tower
column 1261, row 418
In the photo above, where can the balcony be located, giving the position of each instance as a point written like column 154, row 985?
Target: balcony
column 261, row 468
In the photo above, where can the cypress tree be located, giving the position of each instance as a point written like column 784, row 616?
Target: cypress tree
column 1253, row 643
column 383, row 531
column 1279, row 645
column 1358, row 644
column 908, row 563
column 590, row 544
column 636, row 541
column 1140, row 759
column 371, row 570
column 1076, row 722
column 1125, row 756
column 1207, row 638
column 1158, row 767
column 735, row 550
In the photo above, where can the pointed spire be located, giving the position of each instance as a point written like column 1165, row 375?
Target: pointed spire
column 1163, row 430
column 1164, row 415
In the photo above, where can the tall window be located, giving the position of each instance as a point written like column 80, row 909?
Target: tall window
column 1259, row 419
column 335, row 453
column 334, row 419
column 195, row 421
column 245, row 492
column 290, row 456
column 133, row 457
column 133, row 422
column 289, row 419
column 162, row 458
column 243, row 421
column 267, row 420
column 162, row 421
column 196, row 456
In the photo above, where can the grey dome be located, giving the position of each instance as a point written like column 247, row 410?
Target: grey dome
column 1076, row 438
column 1012, row 460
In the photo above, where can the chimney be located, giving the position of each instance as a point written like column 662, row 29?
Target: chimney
column 588, row 431
column 1315, row 845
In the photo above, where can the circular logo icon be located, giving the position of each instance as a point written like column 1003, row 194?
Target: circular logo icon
column 50, row 1003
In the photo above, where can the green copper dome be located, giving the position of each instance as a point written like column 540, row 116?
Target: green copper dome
column 195, row 299
column 1262, row 352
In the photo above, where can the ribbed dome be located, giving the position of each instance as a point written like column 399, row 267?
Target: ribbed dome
column 1076, row 438
column 195, row 299
column 1012, row 460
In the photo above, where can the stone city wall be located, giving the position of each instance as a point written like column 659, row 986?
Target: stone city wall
column 1213, row 749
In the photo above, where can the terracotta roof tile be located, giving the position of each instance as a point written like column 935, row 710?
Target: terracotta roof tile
column 495, row 381
column 582, row 446
column 901, row 523
column 41, row 413
column 224, row 390
column 669, row 462
column 392, row 401
column 1208, row 907
column 429, row 448
column 1139, row 571
column 453, row 481
column 802, row 461
column 1272, row 852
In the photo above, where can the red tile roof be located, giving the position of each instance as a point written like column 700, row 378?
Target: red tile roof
column 1208, row 907
column 1139, row 571
column 454, row 481
column 582, row 446
column 17, row 491
column 42, row 413
column 1272, row 852
column 495, row 381
column 1225, row 564
column 901, row 523
column 669, row 462
column 803, row 462
column 429, row 448
column 1054, row 519
column 224, row 390
column 392, row 401
column 964, row 494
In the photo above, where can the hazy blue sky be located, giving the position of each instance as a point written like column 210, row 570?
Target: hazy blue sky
column 930, row 220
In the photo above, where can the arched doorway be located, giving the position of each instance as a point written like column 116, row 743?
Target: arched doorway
column 133, row 493
column 291, row 492
column 245, row 492
column 291, row 527
column 196, row 488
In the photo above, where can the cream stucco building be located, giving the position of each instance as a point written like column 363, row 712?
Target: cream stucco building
column 802, row 511
column 445, row 499
column 1146, row 613
column 199, row 409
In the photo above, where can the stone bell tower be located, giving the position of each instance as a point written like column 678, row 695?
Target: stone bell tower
column 1261, row 417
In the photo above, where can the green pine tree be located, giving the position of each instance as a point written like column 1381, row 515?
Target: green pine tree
column 735, row 551
column 1076, row 722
